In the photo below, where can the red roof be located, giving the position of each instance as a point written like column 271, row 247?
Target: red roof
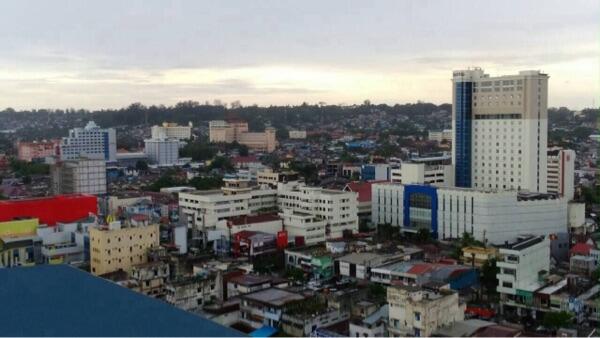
column 241, row 220
column 363, row 189
column 581, row 249
column 419, row 269
column 50, row 210
column 245, row 159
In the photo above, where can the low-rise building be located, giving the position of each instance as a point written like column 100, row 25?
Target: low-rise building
column 522, row 265
column 297, row 134
column 303, row 317
column 477, row 256
column 191, row 293
column 315, row 261
column 243, row 284
column 371, row 324
column 419, row 312
column 440, row 136
column 151, row 278
column 311, row 228
column 266, row 307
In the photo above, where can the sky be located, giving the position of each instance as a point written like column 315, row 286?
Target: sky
column 111, row 53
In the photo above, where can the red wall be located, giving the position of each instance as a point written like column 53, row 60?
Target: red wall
column 50, row 210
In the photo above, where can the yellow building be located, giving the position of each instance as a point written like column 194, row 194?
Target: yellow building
column 230, row 131
column 117, row 247
column 479, row 254
column 23, row 227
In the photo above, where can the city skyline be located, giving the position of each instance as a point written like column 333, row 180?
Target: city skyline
column 68, row 54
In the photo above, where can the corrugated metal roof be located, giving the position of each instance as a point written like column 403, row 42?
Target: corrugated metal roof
column 59, row 300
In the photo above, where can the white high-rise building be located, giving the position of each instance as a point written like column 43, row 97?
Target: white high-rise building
column 561, row 172
column 91, row 142
column 500, row 129
column 79, row 176
column 162, row 151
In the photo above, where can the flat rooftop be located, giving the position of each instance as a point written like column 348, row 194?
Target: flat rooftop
column 274, row 296
column 59, row 300
column 524, row 243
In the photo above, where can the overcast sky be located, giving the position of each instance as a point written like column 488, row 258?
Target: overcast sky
column 108, row 54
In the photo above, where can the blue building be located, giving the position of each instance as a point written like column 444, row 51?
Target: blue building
column 375, row 172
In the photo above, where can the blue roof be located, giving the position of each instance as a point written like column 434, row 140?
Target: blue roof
column 265, row 331
column 58, row 300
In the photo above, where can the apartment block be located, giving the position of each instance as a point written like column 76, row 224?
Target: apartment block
column 561, row 172
column 78, row 176
column 203, row 209
column 90, row 142
column 162, row 151
column 339, row 209
column 28, row 151
column 116, row 247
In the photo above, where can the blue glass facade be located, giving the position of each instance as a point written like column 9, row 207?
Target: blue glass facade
column 427, row 190
column 463, row 120
column 106, row 149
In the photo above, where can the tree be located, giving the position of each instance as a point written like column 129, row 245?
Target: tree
column 296, row 274
column 596, row 275
column 206, row 183
column 141, row 165
column 556, row 320
column 167, row 180
column 489, row 272
column 221, row 162
column 423, row 236
column 377, row 292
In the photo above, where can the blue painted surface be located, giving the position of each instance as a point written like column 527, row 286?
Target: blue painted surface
column 465, row 280
column 462, row 126
column 367, row 172
column 58, row 300
column 428, row 190
column 265, row 331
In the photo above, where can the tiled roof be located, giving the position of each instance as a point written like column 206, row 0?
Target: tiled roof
column 363, row 189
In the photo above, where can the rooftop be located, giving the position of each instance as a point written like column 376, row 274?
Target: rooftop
column 273, row 296
column 523, row 243
column 250, row 280
column 71, row 302
column 251, row 219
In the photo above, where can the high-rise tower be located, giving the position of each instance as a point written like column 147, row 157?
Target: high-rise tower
column 500, row 130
